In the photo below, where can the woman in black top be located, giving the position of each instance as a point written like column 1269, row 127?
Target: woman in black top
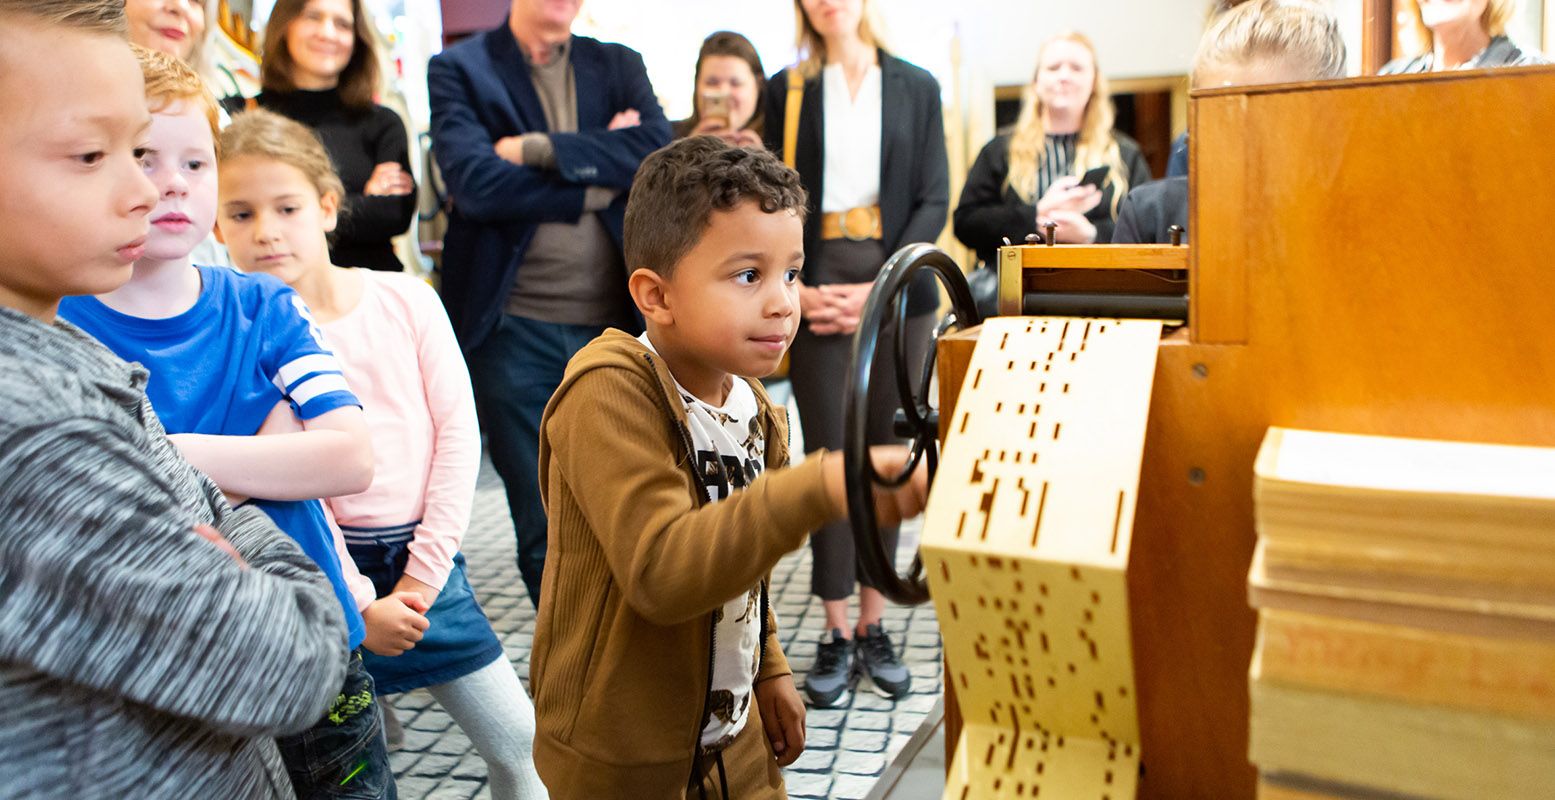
column 869, row 146
column 1032, row 174
column 320, row 68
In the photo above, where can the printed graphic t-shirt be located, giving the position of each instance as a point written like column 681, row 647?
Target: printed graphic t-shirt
column 219, row 368
column 730, row 453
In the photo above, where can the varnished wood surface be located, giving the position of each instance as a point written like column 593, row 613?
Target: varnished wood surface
column 1104, row 256
column 1351, row 299
column 1217, row 298
column 954, row 355
column 1193, row 540
column 1373, row 304
column 1376, row 35
column 1128, row 269
column 1371, row 256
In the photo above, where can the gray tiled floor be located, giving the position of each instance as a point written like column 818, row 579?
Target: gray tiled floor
column 846, row 748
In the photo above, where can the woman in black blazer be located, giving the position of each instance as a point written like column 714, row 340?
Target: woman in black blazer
column 1032, row 174
column 869, row 145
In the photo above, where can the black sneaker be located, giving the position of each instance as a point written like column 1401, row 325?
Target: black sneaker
column 830, row 680
column 876, row 660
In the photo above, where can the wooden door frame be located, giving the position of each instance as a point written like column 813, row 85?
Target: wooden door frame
column 1376, row 35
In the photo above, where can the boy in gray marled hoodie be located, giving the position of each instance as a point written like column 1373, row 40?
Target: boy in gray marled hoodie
column 152, row 639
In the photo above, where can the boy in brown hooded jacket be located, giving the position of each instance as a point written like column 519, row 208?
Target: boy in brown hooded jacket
column 656, row 668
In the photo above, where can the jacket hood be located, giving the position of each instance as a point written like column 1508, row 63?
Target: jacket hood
column 616, row 349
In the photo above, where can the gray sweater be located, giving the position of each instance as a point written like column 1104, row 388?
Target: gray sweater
column 136, row 659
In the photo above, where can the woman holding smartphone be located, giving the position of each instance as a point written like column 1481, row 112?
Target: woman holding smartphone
column 730, row 92
column 868, row 140
column 1031, row 176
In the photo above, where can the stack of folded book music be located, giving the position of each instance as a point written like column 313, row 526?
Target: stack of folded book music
column 1406, row 639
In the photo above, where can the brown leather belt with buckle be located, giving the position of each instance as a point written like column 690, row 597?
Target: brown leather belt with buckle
column 856, row 224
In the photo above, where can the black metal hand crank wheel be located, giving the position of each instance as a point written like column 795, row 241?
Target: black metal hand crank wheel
column 887, row 304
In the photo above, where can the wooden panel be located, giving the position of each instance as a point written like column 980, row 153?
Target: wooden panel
column 953, row 357
column 1365, row 308
column 1010, row 282
column 1374, row 309
column 1217, row 204
column 1355, row 271
column 1139, row 269
column 1103, row 256
column 1377, row 37
column 1193, row 539
column 1153, row 130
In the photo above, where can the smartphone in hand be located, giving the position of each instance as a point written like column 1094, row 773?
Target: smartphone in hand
column 715, row 105
column 1096, row 177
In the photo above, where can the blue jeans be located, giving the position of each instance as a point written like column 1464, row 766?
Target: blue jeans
column 515, row 372
column 343, row 756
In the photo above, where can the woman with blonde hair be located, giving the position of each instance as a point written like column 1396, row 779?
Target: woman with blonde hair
column 1464, row 34
column 1032, row 175
column 1257, row 42
column 175, row 27
column 867, row 137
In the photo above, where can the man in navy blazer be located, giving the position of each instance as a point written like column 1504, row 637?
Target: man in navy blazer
column 538, row 134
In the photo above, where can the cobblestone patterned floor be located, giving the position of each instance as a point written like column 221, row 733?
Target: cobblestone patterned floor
column 846, row 748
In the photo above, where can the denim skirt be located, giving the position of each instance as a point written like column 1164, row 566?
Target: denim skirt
column 458, row 640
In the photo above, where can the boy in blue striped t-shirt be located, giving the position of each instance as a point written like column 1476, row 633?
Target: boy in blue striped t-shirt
column 224, row 350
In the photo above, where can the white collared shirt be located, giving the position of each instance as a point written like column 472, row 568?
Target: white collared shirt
column 851, row 140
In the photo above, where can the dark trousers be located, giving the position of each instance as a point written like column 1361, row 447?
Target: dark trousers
column 818, row 367
column 515, row 372
column 343, row 756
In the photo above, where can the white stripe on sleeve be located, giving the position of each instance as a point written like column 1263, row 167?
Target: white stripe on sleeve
column 318, row 385
column 299, row 368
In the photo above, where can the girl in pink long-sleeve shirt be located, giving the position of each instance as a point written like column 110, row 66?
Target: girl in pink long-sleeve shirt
column 399, row 355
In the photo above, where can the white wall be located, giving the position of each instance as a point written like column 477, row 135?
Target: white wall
column 1134, row 38
column 669, row 32
column 1351, row 16
column 999, row 38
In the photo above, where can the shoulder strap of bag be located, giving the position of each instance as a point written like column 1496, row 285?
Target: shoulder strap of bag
column 791, row 115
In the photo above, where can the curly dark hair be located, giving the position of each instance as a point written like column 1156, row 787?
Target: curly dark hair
column 678, row 187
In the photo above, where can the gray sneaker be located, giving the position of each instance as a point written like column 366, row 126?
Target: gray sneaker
column 875, row 659
column 830, row 680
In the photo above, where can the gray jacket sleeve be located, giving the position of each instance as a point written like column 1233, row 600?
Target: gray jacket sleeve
column 104, row 584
